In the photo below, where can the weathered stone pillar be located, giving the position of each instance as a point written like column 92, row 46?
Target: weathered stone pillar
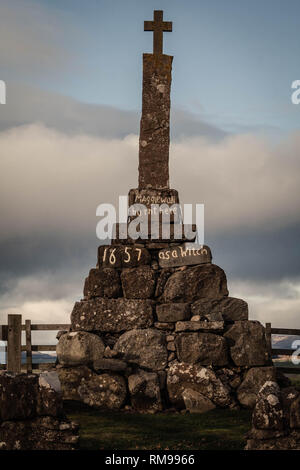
column 155, row 122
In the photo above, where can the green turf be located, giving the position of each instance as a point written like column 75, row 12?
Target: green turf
column 215, row 430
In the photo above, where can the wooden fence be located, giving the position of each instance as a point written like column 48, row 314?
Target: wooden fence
column 12, row 333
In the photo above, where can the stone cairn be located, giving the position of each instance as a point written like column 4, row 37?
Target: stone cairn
column 31, row 414
column 156, row 328
column 275, row 419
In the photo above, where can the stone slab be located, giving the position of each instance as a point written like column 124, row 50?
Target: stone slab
column 111, row 315
column 199, row 326
column 123, row 256
column 184, row 255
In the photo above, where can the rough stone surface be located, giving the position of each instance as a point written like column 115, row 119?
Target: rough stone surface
column 106, row 391
column 290, row 442
column 268, row 412
column 41, row 433
column 144, row 389
column 138, row 283
column 172, row 312
column 164, row 326
column 182, row 376
column 155, row 122
column 184, row 256
column 71, row 378
column 114, row 365
column 205, row 348
column 255, row 378
column 196, row 402
column 49, row 402
column 103, row 282
column 228, row 309
column 79, row 348
column 248, row 344
column 214, row 326
column 204, row 281
column 18, row 396
column 122, row 256
column 111, row 315
column 146, row 348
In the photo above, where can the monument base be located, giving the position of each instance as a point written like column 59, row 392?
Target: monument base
column 156, row 331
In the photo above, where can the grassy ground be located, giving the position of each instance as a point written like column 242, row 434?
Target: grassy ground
column 216, row 430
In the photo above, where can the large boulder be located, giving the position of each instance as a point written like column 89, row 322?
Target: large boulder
column 182, row 376
column 203, row 281
column 40, row 433
column 71, row 378
column 111, row 315
column 268, row 411
column 146, row 348
column 18, row 396
column 79, row 348
column 173, row 312
column 248, row 346
column 205, row 348
column 255, row 378
column 102, row 282
column 138, row 283
column 230, row 308
column 106, row 391
column 196, row 402
column 144, row 389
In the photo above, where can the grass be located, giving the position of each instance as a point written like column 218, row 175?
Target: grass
column 215, row 430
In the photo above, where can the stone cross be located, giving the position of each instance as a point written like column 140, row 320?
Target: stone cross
column 155, row 121
column 158, row 26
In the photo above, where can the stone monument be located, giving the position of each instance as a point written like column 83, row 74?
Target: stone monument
column 156, row 328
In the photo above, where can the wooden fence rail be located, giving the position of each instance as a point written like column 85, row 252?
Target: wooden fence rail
column 12, row 333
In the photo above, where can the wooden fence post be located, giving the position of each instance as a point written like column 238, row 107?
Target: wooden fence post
column 28, row 346
column 268, row 335
column 14, row 323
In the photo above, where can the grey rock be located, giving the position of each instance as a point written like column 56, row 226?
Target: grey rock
column 203, row 281
column 102, row 282
column 144, row 389
column 106, row 391
column 205, row 348
column 172, row 312
column 114, row 365
column 41, row 433
column 227, row 308
column 146, row 348
column 255, row 378
column 138, row 283
column 248, row 346
column 268, row 411
column 79, row 348
column 164, row 326
column 214, row 326
column 111, row 315
column 182, row 376
column 196, row 402
column 49, row 402
column 18, row 396
column 71, row 378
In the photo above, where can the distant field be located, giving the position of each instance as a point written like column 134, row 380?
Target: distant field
column 215, row 430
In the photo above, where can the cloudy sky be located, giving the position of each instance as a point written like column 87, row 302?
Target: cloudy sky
column 69, row 141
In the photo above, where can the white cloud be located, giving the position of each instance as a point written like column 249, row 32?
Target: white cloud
column 276, row 302
column 52, row 182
